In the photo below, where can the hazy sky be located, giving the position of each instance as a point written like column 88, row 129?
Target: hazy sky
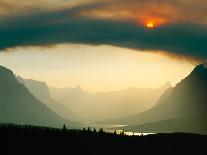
column 95, row 68
column 103, row 44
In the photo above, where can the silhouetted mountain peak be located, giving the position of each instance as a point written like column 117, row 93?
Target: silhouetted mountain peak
column 200, row 69
column 187, row 101
column 198, row 77
column 4, row 72
column 18, row 105
column 190, row 95
column 32, row 81
column 38, row 88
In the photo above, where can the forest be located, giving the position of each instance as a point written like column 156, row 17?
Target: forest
column 36, row 139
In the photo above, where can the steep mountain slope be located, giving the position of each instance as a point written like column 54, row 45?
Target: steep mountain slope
column 37, row 88
column 188, row 100
column 171, row 125
column 59, row 93
column 18, row 105
column 114, row 104
column 41, row 91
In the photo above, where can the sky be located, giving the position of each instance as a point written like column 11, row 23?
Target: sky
column 103, row 44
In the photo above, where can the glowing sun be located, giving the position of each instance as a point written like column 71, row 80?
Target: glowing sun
column 150, row 25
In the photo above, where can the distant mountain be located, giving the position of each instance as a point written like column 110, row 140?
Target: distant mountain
column 37, row 88
column 41, row 91
column 18, row 105
column 114, row 104
column 188, row 101
column 165, row 95
column 59, row 93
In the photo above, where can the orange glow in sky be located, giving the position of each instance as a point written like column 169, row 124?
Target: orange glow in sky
column 150, row 25
column 153, row 22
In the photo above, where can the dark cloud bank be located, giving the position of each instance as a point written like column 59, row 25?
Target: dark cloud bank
column 46, row 28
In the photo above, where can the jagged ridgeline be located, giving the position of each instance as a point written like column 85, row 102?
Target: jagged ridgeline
column 181, row 109
column 19, row 106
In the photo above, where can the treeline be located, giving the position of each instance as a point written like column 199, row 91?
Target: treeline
column 26, row 139
column 64, row 130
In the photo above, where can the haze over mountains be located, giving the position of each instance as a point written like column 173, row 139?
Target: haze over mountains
column 93, row 106
column 106, row 105
column 185, row 109
column 18, row 105
column 165, row 109
column 41, row 91
column 59, row 93
column 90, row 106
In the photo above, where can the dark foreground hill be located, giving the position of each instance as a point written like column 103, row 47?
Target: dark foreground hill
column 186, row 103
column 39, row 140
column 19, row 106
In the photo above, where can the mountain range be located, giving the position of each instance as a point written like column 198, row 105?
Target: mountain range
column 18, row 105
column 179, row 109
column 41, row 91
column 184, row 109
column 92, row 106
column 106, row 105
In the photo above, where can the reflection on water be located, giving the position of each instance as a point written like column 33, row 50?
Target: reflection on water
column 111, row 128
column 128, row 133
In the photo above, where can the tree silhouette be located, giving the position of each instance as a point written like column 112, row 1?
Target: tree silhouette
column 89, row 129
column 122, row 133
column 64, row 127
column 27, row 136
column 115, row 132
column 101, row 130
